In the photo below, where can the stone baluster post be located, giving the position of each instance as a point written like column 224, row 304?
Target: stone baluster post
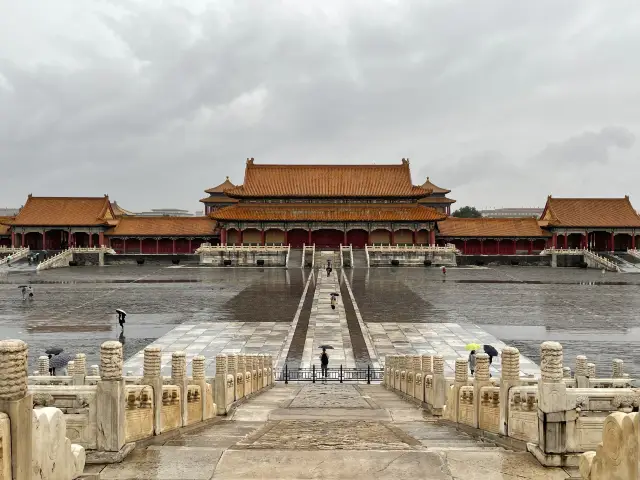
column 410, row 381
column 110, row 398
column 254, row 373
column 403, row 373
column 591, row 371
column 43, row 365
column 220, row 387
column 197, row 374
column 510, row 378
column 248, row 376
column 581, row 372
column 242, row 368
column 179, row 379
column 566, row 372
column 418, row 390
column 261, row 379
column 392, row 371
column 95, row 370
column 270, row 369
column 618, row 368
column 461, row 380
column 482, row 379
column 152, row 376
column 556, row 421
column 17, row 403
column 439, row 392
column 427, row 369
column 71, row 366
column 232, row 369
column 79, row 369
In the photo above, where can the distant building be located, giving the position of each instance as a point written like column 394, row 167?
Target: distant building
column 217, row 199
column 9, row 212
column 166, row 212
column 524, row 212
column 437, row 198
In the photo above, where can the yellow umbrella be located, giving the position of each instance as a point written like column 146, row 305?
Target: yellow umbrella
column 473, row 346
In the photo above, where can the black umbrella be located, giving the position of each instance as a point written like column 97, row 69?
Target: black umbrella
column 334, row 294
column 54, row 351
column 328, row 347
column 60, row 361
column 490, row 350
column 119, row 310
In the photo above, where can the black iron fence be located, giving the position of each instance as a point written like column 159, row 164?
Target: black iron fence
column 340, row 375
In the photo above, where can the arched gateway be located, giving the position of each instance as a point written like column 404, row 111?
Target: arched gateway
column 327, row 205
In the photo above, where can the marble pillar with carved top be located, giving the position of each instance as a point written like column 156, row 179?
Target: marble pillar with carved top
column 151, row 375
column 110, row 398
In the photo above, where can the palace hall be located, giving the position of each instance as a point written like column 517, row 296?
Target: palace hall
column 325, row 206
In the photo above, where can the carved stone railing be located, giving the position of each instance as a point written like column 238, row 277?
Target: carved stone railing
column 634, row 252
column 449, row 248
column 61, row 259
column 556, row 417
column 16, row 254
column 108, row 412
column 588, row 254
column 34, row 444
column 241, row 248
column 616, row 456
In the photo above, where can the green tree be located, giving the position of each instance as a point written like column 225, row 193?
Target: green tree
column 467, row 212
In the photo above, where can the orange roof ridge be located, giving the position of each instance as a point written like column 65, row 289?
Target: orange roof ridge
column 64, row 211
column 318, row 181
column 590, row 212
column 491, row 227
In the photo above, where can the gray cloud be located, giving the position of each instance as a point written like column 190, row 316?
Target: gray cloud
column 152, row 103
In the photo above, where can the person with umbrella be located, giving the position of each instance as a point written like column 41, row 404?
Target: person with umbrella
column 57, row 359
column 491, row 351
column 334, row 300
column 121, row 316
column 324, row 362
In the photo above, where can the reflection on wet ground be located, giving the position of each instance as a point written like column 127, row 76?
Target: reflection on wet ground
column 74, row 307
column 588, row 312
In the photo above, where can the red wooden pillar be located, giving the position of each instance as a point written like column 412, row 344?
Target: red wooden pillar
column 554, row 240
column 566, row 240
column 13, row 239
column 368, row 237
column 262, row 236
column 585, row 240
column 530, row 250
column 124, row 245
column 413, row 237
column 613, row 241
column 44, row 240
column 482, row 246
column 140, row 245
column 309, row 241
column 498, row 245
column 90, row 240
column 393, row 237
column 223, row 236
column 286, row 237
column 633, row 241
column 344, row 237
column 190, row 251
column 240, row 237
column 173, row 245
column 157, row 246
column 464, row 247
column 101, row 238
column 432, row 237
column 515, row 247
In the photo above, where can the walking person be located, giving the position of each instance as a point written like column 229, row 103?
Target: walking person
column 472, row 361
column 121, row 316
column 324, row 364
column 333, row 302
column 30, row 292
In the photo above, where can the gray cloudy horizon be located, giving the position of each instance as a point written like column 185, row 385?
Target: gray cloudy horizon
column 152, row 102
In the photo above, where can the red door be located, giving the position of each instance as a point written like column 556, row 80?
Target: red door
column 327, row 238
column 297, row 237
column 357, row 238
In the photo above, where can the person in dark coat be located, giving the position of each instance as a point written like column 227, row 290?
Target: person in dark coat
column 324, row 363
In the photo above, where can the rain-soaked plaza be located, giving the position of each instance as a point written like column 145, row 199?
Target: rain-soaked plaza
column 251, row 309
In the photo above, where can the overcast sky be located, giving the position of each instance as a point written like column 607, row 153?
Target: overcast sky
column 504, row 102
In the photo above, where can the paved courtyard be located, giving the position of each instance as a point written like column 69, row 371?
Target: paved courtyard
column 330, row 432
column 395, row 310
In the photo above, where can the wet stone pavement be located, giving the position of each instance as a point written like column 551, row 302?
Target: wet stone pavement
column 330, row 432
column 588, row 312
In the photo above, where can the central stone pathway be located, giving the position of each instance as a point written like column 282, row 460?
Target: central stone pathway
column 327, row 432
column 328, row 326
